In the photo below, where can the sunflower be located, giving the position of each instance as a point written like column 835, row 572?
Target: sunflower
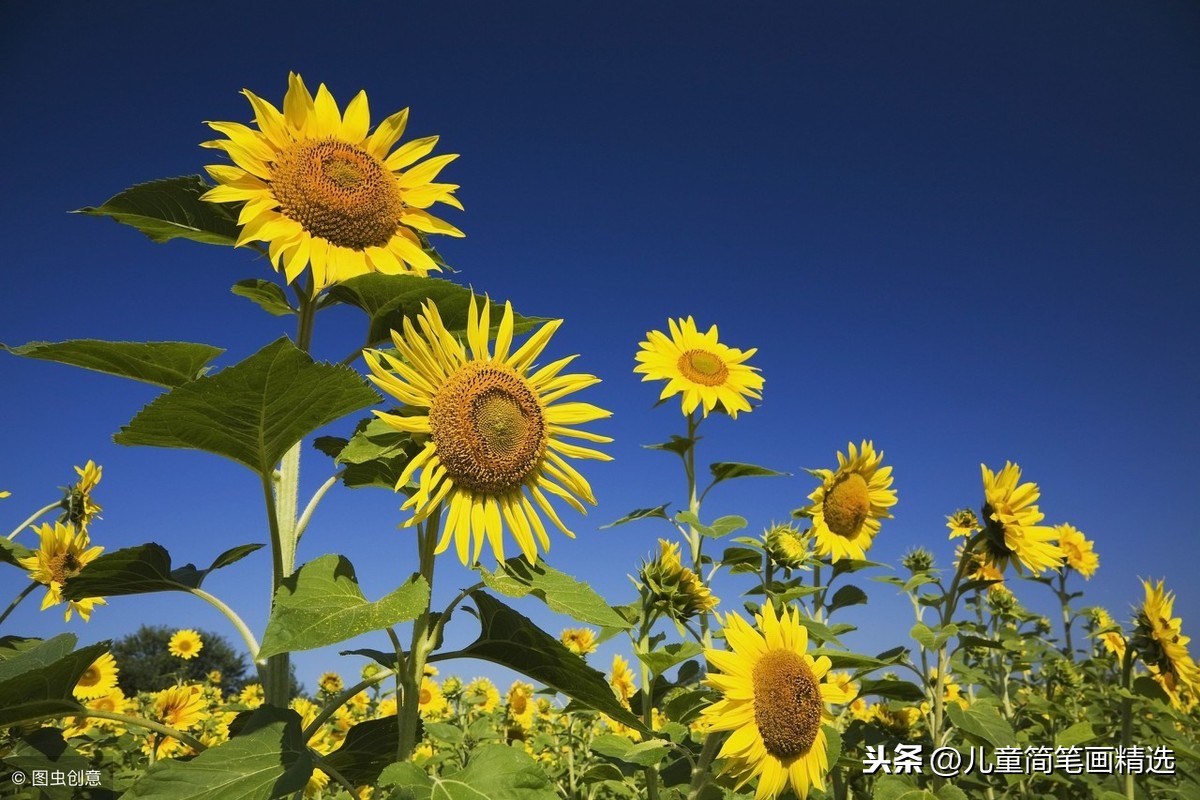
column 963, row 523
column 431, row 702
column 980, row 569
column 774, row 701
column 319, row 190
column 79, row 506
column 61, row 554
column 1159, row 640
column 180, row 707
column 847, row 506
column 482, row 694
column 1108, row 632
column 699, row 367
column 579, row 641
column 494, row 445
column 251, row 695
column 185, row 644
column 1078, row 550
column 788, row 546
column 98, row 679
column 1013, row 530
column 330, row 682
column 520, row 704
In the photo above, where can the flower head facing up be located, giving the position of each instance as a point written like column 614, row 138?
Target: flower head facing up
column 330, row 682
column 1013, row 531
column 963, row 523
column 481, row 694
column 321, row 191
column 494, row 439
column 1159, row 640
column 62, row 553
column 79, row 507
column 185, row 644
column 97, row 680
column 1078, row 550
column 847, row 506
column 775, row 699
column 579, row 641
column 707, row 373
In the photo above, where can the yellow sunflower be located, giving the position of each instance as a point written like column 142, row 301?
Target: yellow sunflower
column 847, row 506
column 330, row 682
column 699, row 367
column 788, row 546
column 1113, row 640
column 431, row 703
column 319, row 190
column 1013, row 531
column 1159, row 640
column 62, row 552
column 495, row 441
column 963, row 523
column 482, row 694
column 622, row 680
column 1078, row 550
column 774, row 701
column 98, row 679
column 185, row 644
column 180, row 707
column 79, row 506
column 579, row 641
column 520, row 704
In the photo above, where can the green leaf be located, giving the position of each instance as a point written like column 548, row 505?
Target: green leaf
column 18, row 656
column 168, row 364
column 944, row 634
column 509, row 639
column 679, row 445
column 742, row 560
column 663, row 658
column 923, row 634
column 979, row 641
column 562, row 593
column 819, row 631
column 658, row 512
column 848, row 595
column 267, row 295
column 171, row 208
column 37, row 681
column 1146, row 686
column 388, row 299
column 1078, row 733
column 844, row 660
column 728, row 470
column 444, row 732
column 321, row 604
column 252, row 412
column 44, row 749
column 846, row 566
column 950, row 792
column 723, row 526
column 368, row 747
column 893, row 690
column 375, row 455
column 496, row 772
column 982, row 721
column 894, row 787
column 643, row 754
column 11, row 551
column 265, row 759
column 686, row 706
column 144, row 569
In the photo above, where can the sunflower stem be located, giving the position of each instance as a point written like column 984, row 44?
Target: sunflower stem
column 341, row 699
column 1127, row 715
column 648, row 702
column 1065, row 600
column 17, row 600
column 34, row 518
column 950, row 600
column 424, row 635
column 231, row 615
column 700, row 772
column 137, row 722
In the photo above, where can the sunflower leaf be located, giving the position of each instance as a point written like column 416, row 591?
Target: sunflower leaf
column 171, row 208
column 322, row 604
column 848, row 595
column 516, row 577
column 679, row 445
column 45, row 749
column 265, row 758
column 37, row 680
column 495, row 772
column 167, row 364
column 267, row 295
column 663, row 658
column 11, row 551
column 892, row 689
column 375, row 455
column 144, row 569
column 728, row 470
column 367, row 748
column 982, row 722
column 658, row 512
column 254, row 411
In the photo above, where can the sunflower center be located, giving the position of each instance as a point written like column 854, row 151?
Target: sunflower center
column 90, row 677
column 338, row 192
column 518, row 704
column 703, row 367
column 63, row 566
column 488, row 427
column 787, row 703
column 847, row 505
column 426, row 696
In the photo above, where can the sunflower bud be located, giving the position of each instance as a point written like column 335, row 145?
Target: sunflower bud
column 674, row 588
column 917, row 560
column 787, row 546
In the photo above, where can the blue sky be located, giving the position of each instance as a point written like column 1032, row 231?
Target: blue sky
column 968, row 233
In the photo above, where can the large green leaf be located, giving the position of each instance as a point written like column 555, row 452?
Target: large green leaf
column 44, row 749
column 983, row 722
column 642, row 754
column 375, row 455
column 171, row 208
column 143, row 569
column 37, row 681
column 168, row 364
column 368, row 747
column 267, row 295
column 11, row 551
column 509, row 639
column 322, row 604
column 893, row 689
column 265, row 759
column 388, row 299
column 254, row 411
column 496, row 772
column 516, row 577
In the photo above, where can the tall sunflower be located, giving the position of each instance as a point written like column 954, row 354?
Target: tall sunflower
column 494, row 437
column 1013, row 530
column 775, row 698
column 1159, row 640
column 847, row 506
column 319, row 190
column 699, row 367
column 61, row 554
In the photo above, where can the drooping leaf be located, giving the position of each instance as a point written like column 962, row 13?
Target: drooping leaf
column 38, row 681
column 368, row 747
column 509, row 639
column 171, row 208
column 658, row 512
column 252, row 412
column 375, row 455
column 663, row 658
column 167, row 364
column 495, row 772
column 679, row 445
column 728, row 470
column 144, row 569
column 984, row 722
column 923, row 634
column 322, row 604
column 516, row 577
column 388, row 299
column 267, row 295
column 266, row 758
column 848, row 595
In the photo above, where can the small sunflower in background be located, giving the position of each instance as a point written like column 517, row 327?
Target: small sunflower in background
column 775, row 697
column 963, row 523
column 1013, row 517
column 494, row 436
column 185, row 644
column 847, row 506
column 482, row 694
column 579, row 641
column 322, row 192
column 707, row 373
column 180, row 707
column 330, row 682
column 63, row 551
column 1078, row 550
column 622, row 680
column 98, row 680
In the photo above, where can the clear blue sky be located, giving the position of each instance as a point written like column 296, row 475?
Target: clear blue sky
column 968, row 232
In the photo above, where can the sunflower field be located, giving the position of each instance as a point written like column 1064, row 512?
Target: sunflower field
column 734, row 681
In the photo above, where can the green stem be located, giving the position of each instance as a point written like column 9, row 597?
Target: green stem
column 33, row 518
column 423, row 638
column 302, row 523
column 819, row 595
column 340, row 700
column 700, row 772
column 137, row 722
column 1063, row 598
column 951, row 603
column 17, row 600
column 648, row 702
column 277, row 671
column 1127, row 715
column 231, row 615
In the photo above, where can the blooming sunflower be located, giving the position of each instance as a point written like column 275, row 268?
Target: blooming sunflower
column 482, row 694
column 622, row 680
column 494, row 439
column 774, row 702
column 847, row 506
column 431, row 702
column 1078, row 550
column 330, row 682
column 1159, row 640
column 1108, row 632
column 962, row 523
column 579, row 641
column 1013, row 531
column 62, row 552
column 520, row 704
column 320, row 191
column 79, row 506
column 98, row 679
column 185, row 644
column 699, row 367
column 180, row 707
